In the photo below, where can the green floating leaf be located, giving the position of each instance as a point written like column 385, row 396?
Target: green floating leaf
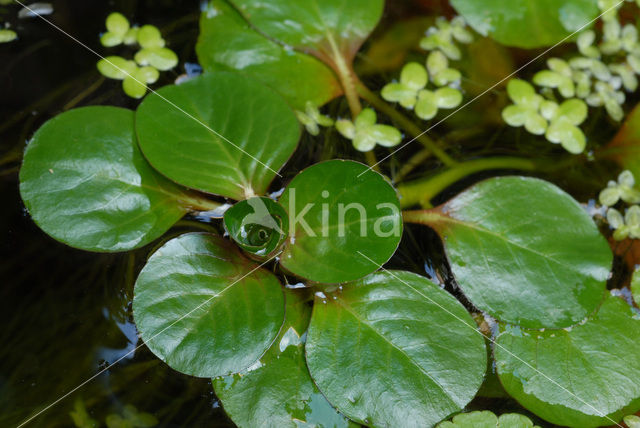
column 85, row 183
column 116, row 67
column 259, row 225
column 278, row 387
column 585, row 376
column 487, row 419
column 524, row 251
column 526, row 23
column 204, row 309
column 117, row 24
column 158, row 57
column 149, row 37
column 7, row 35
column 227, row 41
column 220, row 133
column 333, row 30
column 338, row 209
column 134, row 85
column 394, row 349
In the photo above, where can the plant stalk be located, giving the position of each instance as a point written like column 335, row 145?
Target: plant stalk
column 420, row 192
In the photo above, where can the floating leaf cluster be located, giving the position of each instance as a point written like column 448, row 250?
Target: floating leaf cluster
column 365, row 133
column 411, row 91
column 312, row 119
column 627, row 226
column 540, row 116
column 152, row 57
column 130, row 418
column 599, row 76
column 487, row 419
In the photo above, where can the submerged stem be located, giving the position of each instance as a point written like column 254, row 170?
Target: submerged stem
column 420, row 192
column 411, row 164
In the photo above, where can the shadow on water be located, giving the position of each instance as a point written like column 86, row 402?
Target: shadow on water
column 66, row 314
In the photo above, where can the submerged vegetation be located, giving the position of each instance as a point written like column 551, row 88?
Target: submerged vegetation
column 335, row 238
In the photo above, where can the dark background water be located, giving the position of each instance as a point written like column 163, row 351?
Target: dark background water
column 65, row 314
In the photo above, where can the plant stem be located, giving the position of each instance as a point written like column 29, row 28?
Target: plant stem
column 420, row 192
column 426, row 217
column 346, row 76
column 406, row 124
column 413, row 162
column 85, row 93
column 195, row 201
column 370, row 157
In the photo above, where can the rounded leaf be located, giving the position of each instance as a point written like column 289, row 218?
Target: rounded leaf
column 574, row 110
column 220, row 133
column 327, row 29
column 516, row 115
column 116, row 67
column 521, row 92
column 110, row 39
column 158, row 57
column 487, row 419
column 149, row 37
column 278, row 387
column 228, row 41
column 134, row 85
column 7, row 35
column 414, row 76
column 399, row 93
column 427, row 105
column 394, row 349
column 117, row 23
column 85, row 183
column 524, row 251
column 204, row 309
column 584, row 376
column 526, row 23
column 535, row 123
column 336, row 210
column 386, row 135
column 448, row 97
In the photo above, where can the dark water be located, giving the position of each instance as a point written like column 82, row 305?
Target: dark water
column 65, row 314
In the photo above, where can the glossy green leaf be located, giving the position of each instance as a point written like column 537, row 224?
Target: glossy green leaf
column 527, row 23
column 338, row 209
column 332, row 29
column 394, row 349
column 585, row 376
column 277, row 389
column 205, row 309
column 227, row 41
column 220, row 133
column 524, row 251
column 258, row 225
column 85, row 183
column 487, row 419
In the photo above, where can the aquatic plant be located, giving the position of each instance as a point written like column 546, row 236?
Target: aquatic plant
column 288, row 307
